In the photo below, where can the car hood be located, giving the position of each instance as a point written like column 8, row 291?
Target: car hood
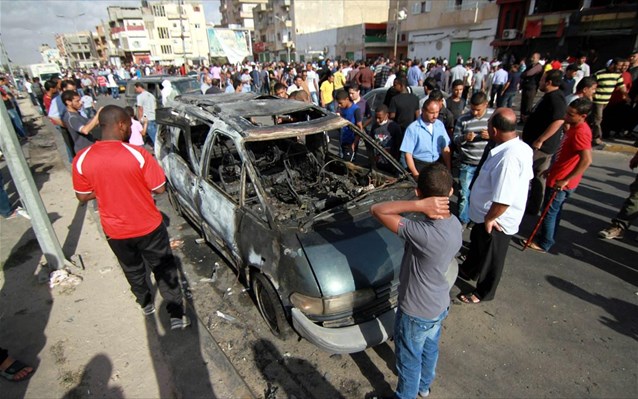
column 352, row 253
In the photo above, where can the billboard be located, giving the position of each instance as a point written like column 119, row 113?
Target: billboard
column 228, row 43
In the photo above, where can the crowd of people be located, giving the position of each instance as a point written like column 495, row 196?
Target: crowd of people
column 463, row 126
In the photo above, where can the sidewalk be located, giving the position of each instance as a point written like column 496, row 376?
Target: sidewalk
column 91, row 339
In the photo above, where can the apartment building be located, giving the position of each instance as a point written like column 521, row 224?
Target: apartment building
column 447, row 28
column 309, row 30
column 239, row 13
column 177, row 31
column 128, row 34
column 77, row 48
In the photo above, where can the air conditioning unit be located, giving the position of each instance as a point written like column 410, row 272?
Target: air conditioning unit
column 509, row 34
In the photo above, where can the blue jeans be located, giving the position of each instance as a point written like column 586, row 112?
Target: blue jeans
column 506, row 99
column 151, row 130
column 466, row 174
column 314, row 97
column 546, row 238
column 416, row 344
column 5, row 204
column 17, row 123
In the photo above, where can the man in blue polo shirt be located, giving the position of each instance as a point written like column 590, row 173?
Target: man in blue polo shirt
column 426, row 140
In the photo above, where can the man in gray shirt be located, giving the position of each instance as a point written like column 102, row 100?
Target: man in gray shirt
column 430, row 244
column 146, row 104
column 470, row 138
column 79, row 127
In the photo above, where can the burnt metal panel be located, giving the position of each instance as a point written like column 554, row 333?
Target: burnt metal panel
column 329, row 122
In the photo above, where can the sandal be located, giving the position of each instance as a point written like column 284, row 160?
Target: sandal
column 11, row 372
column 470, row 298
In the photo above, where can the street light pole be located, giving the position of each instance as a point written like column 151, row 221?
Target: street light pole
column 396, row 29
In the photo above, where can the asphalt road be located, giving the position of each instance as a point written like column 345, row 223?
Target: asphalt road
column 562, row 324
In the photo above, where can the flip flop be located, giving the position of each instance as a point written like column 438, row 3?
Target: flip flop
column 471, row 298
column 10, row 373
column 535, row 247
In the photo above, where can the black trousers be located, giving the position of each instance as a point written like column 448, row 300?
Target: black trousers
column 527, row 100
column 4, row 354
column 536, row 194
column 153, row 251
column 486, row 259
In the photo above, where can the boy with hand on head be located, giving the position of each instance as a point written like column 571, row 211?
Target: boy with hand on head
column 430, row 245
column 349, row 111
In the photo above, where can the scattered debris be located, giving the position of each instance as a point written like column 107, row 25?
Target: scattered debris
column 271, row 391
column 176, row 243
column 225, row 316
column 76, row 260
column 107, row 269
column 63, row 278
column 200, row 241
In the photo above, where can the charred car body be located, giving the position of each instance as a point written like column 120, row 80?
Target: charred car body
column 262, row 179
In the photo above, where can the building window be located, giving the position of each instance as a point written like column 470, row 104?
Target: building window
column 166, row 49
column 162, row 33
column 197, row 26
column 158, row 11
column 547, row 6
column 196, row 8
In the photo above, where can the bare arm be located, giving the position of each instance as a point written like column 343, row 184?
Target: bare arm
column 549, row 132
column 447, row 158
column 409, row 160
column 389, row 213
column 85, row 197
column 583, row 163
column 86, row 129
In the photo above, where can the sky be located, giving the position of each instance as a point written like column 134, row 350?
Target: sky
column 26, row 24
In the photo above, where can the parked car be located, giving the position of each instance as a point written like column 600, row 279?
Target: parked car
column 262, row 179
column 375, row 97
column 153, row 83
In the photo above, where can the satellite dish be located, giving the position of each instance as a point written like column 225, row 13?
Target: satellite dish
column 403, row 14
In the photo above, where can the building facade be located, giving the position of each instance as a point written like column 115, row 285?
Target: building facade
column 447, row 28
column 239, row 13
column 128, row 34
column 311, row 30
column 602, row 29
column 77, row 48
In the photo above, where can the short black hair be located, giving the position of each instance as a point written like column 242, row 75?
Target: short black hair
column 429, row 101
column 478, row 98
column 129, row 110
column 139, row 84
column 457, row 82
column 342, row 95
column 68, row 95
column 49, row 84
column 354, row 86
column 382, row 108
column 67, row 82
column 582, row 105
column 500, row 122
column 586, row 82
column 401, row 80
column 435, row 180
column 430, row 83
column 278, row 86
column 112, row 114
column 554, row 77
column 572, row 67
column 436, row 95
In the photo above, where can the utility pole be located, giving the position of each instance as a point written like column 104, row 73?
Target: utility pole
column 29, row 195
column 181, row 25
column 6, row 56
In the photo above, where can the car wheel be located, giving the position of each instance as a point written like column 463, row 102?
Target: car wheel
column 270, row 307
column 172, row 198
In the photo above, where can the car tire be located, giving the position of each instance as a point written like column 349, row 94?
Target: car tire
column 270, row 307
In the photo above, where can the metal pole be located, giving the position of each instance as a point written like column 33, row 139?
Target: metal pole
column 181, row 24
column 6, row 56
column 396, row 30
column 29, row 195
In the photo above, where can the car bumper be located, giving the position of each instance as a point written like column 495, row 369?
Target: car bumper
column 349, row 339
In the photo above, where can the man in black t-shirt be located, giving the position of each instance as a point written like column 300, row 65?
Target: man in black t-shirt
column 404, row 107
column 542, row 132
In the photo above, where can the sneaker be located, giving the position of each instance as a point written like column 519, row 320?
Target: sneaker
column 425, row 394
column 613, row 231
column 148, row 309
column 180, row 323
column 19, row 211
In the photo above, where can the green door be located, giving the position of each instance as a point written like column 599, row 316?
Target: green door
column 464, row 48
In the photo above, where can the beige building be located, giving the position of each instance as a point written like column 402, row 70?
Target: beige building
column 77, row 48
column 128, row 35
column 239, row 13
column 177, row 31
column 445, row 28
column 314, row 29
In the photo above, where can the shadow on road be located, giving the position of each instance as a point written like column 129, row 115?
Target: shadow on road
column 622, row 313
column 303, row 380
column 372, row 373
column 75, row 230
column 95, row 381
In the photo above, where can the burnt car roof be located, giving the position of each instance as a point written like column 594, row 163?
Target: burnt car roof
column 238, row 109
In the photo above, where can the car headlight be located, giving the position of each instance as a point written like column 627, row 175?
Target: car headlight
column 331, row 305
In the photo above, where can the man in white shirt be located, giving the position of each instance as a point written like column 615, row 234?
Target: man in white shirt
column 296, row 86
column 498, row 81
column 146, row 104
column 497, row 204
column 458, row 72
column 312, row 80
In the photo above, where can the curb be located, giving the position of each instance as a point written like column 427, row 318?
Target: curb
column 211, row 352
column 620, row 148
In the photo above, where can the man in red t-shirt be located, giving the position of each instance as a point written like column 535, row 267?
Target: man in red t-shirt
column 563, row 176
column 123, row 177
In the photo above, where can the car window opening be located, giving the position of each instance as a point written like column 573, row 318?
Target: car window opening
column 224, row 167
column 306, row 177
